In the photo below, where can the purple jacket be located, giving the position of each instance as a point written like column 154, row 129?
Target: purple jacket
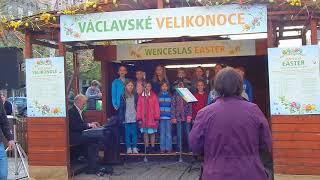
column 229, row 133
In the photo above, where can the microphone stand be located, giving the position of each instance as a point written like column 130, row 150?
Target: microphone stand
column 180, row 160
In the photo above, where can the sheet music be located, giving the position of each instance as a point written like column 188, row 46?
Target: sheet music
column 186, row 95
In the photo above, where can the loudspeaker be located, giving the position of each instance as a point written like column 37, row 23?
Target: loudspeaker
column 12, row 68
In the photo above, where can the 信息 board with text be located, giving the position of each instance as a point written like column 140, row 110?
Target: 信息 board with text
column 162, row 23
column 45, row 84
column 294, row 80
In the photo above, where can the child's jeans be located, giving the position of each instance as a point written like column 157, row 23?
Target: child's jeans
column 183, row 129
column 3, row 163
column 131, row 132
column 165, row 135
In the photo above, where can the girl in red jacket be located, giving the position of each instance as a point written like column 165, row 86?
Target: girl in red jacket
column 148, row 115
column 202, row 98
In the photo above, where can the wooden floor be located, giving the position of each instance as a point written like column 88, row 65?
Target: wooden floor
column 148, row 171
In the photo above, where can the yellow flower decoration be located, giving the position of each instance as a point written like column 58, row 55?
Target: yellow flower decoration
column 45, row 17
column 68, row 12
column 295, row 2
column 90, row 4
column 4, row 19
column 15, row 24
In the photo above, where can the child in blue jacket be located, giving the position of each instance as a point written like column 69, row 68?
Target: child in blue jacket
column 165, row 118
column 118, row 87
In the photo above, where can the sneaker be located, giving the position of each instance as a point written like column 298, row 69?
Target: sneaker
column 135, row 151
column 129, row 151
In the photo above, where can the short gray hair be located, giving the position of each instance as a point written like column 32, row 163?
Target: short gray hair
column 79, row 97
column 228, row 83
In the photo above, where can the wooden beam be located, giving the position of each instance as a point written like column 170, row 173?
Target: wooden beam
column 105, row 89
column 28, row 45
column 314, row 31
column 281, row 28
column 160, row 4
column 277, row 13
column 76, row 66
column 288, row 23
column 304, row 36
column 47, row 36
column 271, row 38
column 62, row 52
column 290, row 37
column 49, row 45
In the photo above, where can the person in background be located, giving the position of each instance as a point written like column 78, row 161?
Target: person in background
column 182, row 77
column 140, row 76
column 165, row 119
column 128, row 115
column 181, row 111
column 77, row 124
column 93, row 92
column 5, row 128
column 160, row 76
column 213, row 94
column 230, row 133
column 148, row 115
column 247, row 87
column 7, row 105
column 202, row 98
column 118, row 87
column 71, row 97
column 199, row 75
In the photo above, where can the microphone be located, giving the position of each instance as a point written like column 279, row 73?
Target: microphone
column 144, row 75
column 207, row 76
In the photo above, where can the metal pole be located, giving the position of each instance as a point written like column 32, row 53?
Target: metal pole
column 14, row 132
column 145, row 159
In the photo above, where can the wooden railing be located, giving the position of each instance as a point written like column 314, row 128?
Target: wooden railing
column 21, row 135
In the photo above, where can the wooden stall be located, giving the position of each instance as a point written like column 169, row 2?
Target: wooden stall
column 296, row 140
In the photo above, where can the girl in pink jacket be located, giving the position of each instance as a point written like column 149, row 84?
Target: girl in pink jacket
column 148, row 115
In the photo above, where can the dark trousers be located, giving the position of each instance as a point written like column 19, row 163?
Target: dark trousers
column 92, row 148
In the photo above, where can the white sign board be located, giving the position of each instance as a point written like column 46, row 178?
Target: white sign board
column 294, row 80
column 168, row 22
column 45, row 83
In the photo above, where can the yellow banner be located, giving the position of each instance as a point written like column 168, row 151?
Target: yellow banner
column 190, row 49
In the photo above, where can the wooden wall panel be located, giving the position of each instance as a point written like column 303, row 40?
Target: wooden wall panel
column 296, row 144
column 47, row 141
column 94, row 116
column 261, row 47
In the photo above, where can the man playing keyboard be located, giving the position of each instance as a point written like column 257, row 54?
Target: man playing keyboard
column 77, row 124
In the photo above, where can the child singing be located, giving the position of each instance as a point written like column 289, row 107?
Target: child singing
column 165, row 119
column 128, row 114
column 140, row 76
column 201, row 96
column 182, row 77
column 118, row 87
column 148, row 115
column 181, row 114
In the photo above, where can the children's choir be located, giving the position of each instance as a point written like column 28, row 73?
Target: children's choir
column 152, row 107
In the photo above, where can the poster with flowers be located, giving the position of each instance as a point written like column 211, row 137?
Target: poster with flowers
column 294, row 80
column 45, row 84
